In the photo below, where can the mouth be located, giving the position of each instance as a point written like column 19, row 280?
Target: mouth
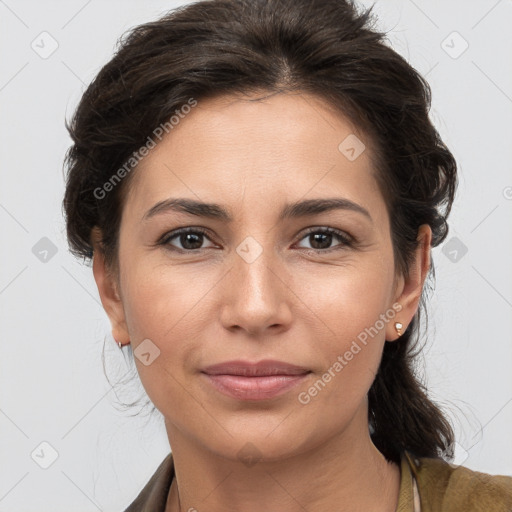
column 263, row 380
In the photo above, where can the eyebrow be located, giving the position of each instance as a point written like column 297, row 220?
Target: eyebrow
column 217, row 212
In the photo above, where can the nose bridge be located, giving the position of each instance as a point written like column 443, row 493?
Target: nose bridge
column 254, row 264
column 257, row 298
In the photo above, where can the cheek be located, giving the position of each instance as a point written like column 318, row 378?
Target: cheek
column 350, row 316
column 161, row 309
column 347, row 299
column 161, row 301
column 167, row 306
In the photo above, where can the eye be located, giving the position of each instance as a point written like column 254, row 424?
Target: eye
column 321, row 239
column 191, row 239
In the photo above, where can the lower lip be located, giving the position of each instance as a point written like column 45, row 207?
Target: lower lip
column 255, row 388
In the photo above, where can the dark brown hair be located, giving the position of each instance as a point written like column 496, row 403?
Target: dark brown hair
column 325, row 47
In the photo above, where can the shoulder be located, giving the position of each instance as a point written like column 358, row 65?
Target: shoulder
column 153, row 496
column 445, row 487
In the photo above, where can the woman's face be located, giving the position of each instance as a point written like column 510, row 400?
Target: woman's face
column 256, row 285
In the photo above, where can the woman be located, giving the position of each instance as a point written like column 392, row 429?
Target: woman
column 259, row 187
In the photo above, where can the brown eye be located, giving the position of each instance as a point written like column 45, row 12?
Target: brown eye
column 321, row 239
column 191, row 239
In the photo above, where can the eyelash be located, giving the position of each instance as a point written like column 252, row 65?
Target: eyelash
column 347, row 241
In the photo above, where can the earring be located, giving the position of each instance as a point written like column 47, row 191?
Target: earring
column 120, row 344
column 398, row 327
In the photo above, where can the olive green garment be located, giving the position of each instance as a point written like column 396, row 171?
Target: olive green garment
column 441, row 487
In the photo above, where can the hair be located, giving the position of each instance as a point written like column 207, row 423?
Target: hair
column 328, row 48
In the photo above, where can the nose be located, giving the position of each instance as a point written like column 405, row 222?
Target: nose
column 256, row 297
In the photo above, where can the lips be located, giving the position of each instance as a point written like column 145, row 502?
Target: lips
column 243, row 380
column 255, row 369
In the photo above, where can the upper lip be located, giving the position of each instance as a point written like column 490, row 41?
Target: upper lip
column 258, row 369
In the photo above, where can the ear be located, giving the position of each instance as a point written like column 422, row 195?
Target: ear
column 108, row 290
column 409, row 289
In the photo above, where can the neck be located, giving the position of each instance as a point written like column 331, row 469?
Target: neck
column 345, row 473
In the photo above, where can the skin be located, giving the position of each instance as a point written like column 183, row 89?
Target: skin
column 292, row 303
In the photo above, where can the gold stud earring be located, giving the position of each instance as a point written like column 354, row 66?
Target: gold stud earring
column 398, row 327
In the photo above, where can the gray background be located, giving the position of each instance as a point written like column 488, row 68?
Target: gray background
column 52, row 387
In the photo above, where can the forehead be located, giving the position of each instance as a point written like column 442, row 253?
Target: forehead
column 279, row 148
